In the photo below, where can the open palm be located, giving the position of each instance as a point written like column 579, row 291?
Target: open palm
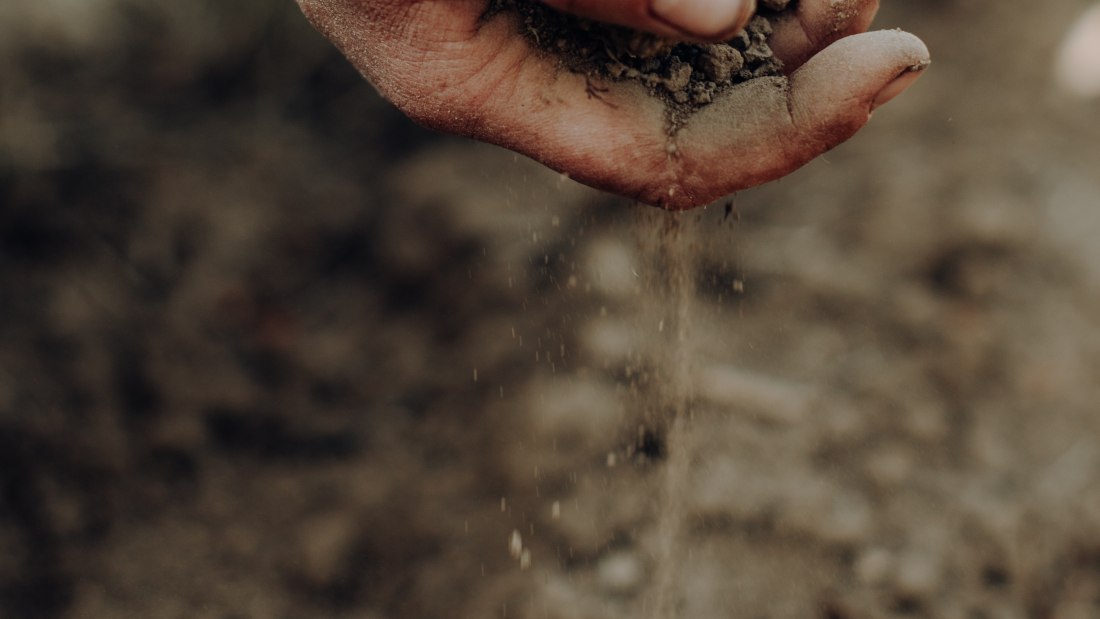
column 449, row 69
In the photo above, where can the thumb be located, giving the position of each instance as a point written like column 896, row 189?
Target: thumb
column 835, row 92
column 777, row 127
column 709, row 20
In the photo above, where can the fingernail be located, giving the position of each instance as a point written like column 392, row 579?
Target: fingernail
column 705, row 19
column 898, row 86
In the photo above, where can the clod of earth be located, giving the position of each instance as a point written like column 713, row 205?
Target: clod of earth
column 686, row 76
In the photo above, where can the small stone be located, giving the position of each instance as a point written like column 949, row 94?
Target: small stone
column 679, row 77
column 619, row 572
column 760, row 26
column 758, row 53
column 918, row 574
column 873, row 567
column 740, row 41
column 720, row 62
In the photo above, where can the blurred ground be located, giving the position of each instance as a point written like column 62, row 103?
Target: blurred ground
column 269, row 350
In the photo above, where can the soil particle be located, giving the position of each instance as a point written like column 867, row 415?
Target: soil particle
column 686, row 76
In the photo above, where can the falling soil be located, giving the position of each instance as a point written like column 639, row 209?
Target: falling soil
column 686, row 76
column 673, row 400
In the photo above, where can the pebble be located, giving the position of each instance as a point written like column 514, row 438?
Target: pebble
column 874, row 566
column 620, row 572
column 918, row 574
column 721, row 62
column 890, row 466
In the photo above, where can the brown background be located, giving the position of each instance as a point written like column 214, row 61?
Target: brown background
column 243, row 303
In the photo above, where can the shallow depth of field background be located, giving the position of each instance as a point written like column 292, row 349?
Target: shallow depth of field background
column 269, row 350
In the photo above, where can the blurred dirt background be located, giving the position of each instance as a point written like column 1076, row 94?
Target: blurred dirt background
column 269, row 350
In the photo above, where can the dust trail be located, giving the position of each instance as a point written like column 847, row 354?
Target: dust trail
column 672, row 411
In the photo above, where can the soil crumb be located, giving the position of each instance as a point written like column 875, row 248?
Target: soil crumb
column 686, row 76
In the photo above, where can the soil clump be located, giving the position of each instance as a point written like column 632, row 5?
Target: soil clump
column 686, row 76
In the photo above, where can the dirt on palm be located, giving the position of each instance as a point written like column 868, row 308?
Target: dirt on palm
column 686, row 76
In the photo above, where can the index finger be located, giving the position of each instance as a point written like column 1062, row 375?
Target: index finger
column 814, row 24
column 704, row 20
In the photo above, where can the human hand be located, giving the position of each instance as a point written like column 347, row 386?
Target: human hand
column 449, row 69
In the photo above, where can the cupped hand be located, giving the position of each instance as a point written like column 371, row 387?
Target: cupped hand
column 448, row 67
